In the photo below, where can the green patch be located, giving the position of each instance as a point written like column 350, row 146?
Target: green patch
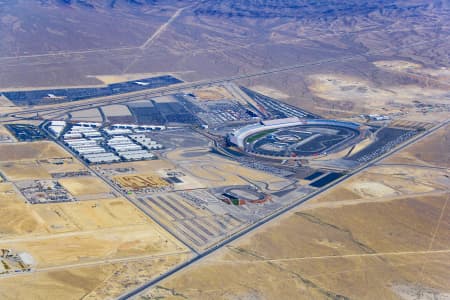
column 259, row 135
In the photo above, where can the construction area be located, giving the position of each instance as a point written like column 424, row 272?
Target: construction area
column 58, row 216
column 140, row 182
column 175, row 176
column 13, row 262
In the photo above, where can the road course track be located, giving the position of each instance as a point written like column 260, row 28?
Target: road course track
column 277, row 214
column 98, row 102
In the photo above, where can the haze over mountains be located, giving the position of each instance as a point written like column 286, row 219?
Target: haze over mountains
column 68, row 43
column 208, row 149
column 53, row 20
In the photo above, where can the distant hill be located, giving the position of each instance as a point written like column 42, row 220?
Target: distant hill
column 306, row 8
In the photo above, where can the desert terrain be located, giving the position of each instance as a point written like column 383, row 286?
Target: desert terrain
column 89, row 239
column 383, row 234
column 99, row 231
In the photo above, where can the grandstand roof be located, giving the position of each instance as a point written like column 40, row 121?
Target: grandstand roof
column 280, row 121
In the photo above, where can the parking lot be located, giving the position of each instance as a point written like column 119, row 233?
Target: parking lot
column 73, row 94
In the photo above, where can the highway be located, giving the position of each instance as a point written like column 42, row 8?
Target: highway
column 118, row 190
column 146, row 94
column 276, row 215
column 63, row 108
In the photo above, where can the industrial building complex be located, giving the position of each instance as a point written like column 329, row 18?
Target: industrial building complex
column 96, row 144
column 203, row 168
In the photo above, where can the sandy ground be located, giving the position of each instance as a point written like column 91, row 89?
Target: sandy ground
column 343, row 92
column 63, row 284
column 23, row 170
column 32, row 169
column 271, row 92
column 106, row 281
column 23, row 219
column 389, row 180
column 88, row 246
column 212, row 93
column 5, row 102
column 433, row 153
column 160, row 167
column 141, row 166
column 116, row 78
column 105, row 79
column 90, row 215
column 68, row 165
column 37, row 160
column 213, row 171
column 344, row 88
column 367, row 250
column 34, row 151
column 78, row 246
column 365, row 239
column 86, row 185
column 414, row 69
column 17, row 217
column 358, row 252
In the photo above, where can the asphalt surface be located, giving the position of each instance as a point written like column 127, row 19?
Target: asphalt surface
column 101, row 101
column 117, row 189
column 274, row 216
column 74, row 106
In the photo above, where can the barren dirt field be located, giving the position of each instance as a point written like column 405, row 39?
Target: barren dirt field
column 77, row 246
column 212, row 170
column 93, row 214
column 4, row 102
column 17, row 217
column 33, row 151
column 84, row 185
column 88, row 246
column 62, row 166
column 105, row 281
column 140, row 166
column 413, row 69
column 43, row 169
column 22, row 170
column 433, row 153
column 213, row 93
column 109, row 79
column 76, row 216
column 337, row 87
column 160, row 168
column 34, row 169
column 380, row 235
column 386, row 181
column 271, row 92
